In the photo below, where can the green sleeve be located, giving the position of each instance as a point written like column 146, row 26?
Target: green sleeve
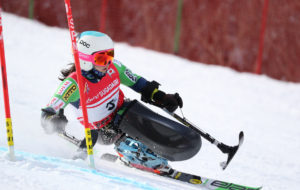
column 127, row 77
column 66, row 93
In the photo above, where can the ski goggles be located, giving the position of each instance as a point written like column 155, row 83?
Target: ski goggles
column 99, row 58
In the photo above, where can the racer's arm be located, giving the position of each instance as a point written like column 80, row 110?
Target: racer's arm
column 130, row 79
column 52, row 117
column 148, row 90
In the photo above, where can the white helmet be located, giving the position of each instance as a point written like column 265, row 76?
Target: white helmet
column 90, row 42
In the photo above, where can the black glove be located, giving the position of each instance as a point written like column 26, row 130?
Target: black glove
column 53, row 122
column 168, row 101
column 151, row 94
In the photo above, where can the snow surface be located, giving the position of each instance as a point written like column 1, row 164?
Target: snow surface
column 219, row 100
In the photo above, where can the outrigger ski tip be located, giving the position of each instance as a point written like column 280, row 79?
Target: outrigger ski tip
column 231, row 151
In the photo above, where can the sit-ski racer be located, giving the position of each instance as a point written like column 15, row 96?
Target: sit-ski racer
column 142, row 138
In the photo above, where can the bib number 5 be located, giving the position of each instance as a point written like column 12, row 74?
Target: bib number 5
column 111, row 105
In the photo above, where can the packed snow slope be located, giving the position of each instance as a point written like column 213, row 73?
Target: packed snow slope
column 220, row 101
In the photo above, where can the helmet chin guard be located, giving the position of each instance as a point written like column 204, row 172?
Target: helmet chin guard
column 90, row 42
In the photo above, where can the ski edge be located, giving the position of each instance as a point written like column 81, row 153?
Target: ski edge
column 208, row 183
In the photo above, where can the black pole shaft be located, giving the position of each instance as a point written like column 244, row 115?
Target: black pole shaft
column 223, row 147
column 202, row 133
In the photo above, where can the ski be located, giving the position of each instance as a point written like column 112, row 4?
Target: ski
column 197, row 180
column 203, row 182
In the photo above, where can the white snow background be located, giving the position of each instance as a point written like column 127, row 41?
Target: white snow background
column 219, row 100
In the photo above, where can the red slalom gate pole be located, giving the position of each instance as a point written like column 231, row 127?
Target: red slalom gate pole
column 80, row 83
column 9, row 131
column 262, row 37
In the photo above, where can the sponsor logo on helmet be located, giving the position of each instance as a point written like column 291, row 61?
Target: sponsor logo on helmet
column 84, row 43
column 70, row 91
